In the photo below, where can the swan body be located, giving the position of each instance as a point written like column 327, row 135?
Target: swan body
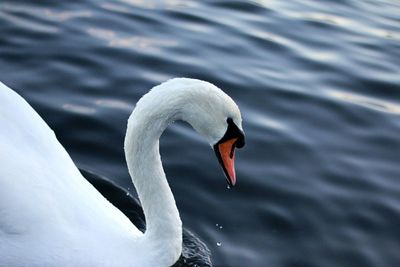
column 194, row 252
column 51, row 216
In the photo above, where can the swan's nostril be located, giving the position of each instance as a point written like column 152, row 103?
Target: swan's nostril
column 232, row 154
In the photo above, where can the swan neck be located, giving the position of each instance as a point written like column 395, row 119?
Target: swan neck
column 145, row 127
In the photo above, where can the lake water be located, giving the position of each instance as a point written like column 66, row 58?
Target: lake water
column 318, row 83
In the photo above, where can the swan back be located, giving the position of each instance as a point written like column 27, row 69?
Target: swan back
column 44, row 200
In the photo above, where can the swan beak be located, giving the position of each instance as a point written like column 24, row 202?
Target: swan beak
column 226, row 155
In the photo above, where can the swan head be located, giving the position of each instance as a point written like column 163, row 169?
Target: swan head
column 214, row 115
column 210, row 111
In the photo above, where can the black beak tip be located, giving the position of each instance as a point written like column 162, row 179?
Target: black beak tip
column 229, row 182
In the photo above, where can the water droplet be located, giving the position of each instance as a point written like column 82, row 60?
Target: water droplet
column 127, row 193
column 228, row 187
column 219, row 244
column 216, row 224
column 220, row 227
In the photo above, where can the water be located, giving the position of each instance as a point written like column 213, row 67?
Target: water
column 318, row 83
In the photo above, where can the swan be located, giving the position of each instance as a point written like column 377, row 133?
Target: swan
column 50, row 215
column 194, row 252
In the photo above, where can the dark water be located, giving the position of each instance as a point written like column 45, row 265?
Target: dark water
column 318, row 83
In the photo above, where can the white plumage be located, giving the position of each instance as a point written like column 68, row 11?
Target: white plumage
column 51, row 216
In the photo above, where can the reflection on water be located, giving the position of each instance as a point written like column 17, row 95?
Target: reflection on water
column 140, row 43
column 368, row 102
column 157, row 4
column 318, row 85
column 66, row 15
column 114, row 104
column 79, row 109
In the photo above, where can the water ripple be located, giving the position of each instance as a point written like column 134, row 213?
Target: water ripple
column 368, row 102
column 318, row 86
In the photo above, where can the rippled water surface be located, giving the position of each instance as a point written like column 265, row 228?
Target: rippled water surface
column 318, row 83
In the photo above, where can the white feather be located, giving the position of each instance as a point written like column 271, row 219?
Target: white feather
column 51, row 216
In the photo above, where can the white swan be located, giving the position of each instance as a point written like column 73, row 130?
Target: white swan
column 51, row 216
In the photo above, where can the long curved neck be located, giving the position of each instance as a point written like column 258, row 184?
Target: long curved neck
column 176, row 99
column 145, row 126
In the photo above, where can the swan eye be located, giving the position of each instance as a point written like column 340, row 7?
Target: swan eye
column 232, row 132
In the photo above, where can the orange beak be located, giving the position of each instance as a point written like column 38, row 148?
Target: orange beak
column 226, row 155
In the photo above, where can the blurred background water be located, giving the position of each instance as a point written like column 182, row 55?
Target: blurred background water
column 318, row 83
